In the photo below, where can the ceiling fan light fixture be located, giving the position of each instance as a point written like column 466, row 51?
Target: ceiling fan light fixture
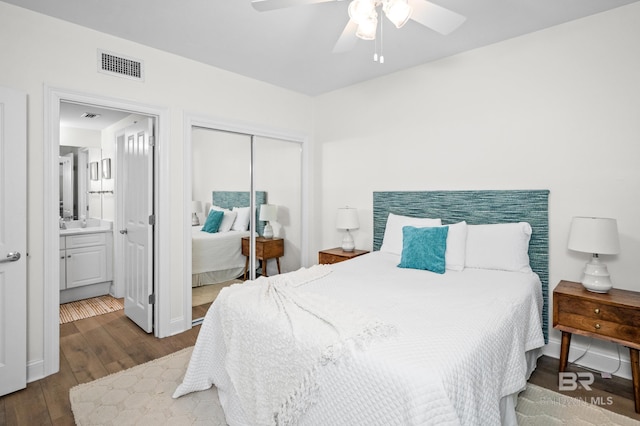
column 397, row 11
column 367, row 28
column 362, row 10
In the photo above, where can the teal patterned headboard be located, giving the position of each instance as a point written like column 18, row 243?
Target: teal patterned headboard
column 477, row 207
column 231, row 199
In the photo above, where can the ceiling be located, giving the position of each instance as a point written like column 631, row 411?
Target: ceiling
column 292, row 47
column 71, row 116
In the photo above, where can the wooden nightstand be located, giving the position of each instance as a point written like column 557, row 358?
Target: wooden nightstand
column 266, row 248
column 336, row 255
column 612, row 316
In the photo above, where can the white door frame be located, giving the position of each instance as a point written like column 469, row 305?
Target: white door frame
column 192, row 120
column 51, row 141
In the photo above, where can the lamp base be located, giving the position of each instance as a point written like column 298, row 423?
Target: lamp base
column 347, row 242
column 194, row 219
column 268, row 231
column 596, row 276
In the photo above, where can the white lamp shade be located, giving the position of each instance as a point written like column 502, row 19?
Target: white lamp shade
column 196, row 206
column 347, row 218
column 268, row 212
column 398, row 12
column 596, row 235
column 360, row 10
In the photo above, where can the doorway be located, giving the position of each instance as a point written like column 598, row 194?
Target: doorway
column 161, row 316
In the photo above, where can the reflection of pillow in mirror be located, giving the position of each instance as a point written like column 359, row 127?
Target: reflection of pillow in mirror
column 227, row 220
column 213, row 221
column 242, row 219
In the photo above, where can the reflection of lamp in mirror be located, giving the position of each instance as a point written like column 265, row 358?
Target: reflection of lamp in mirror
column 106, row 168
column 595, row 235
column 347, row 219
column 268, row 212
column 196, row 207
column 93, row 170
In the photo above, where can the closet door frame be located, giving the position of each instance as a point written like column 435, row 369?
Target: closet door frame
column 192, row 121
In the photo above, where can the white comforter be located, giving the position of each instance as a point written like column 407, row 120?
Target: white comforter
column 217, row 251
column 460, row 347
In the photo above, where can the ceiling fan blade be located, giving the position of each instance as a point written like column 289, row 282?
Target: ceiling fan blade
column 435, row 17
column 265, row 5
column 347, row 40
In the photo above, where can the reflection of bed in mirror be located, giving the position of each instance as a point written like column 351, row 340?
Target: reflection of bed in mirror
column 217, row 257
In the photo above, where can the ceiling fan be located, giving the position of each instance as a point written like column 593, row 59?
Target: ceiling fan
column 363, row 17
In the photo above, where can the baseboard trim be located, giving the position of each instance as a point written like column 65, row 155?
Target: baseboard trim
column 594, row 359
column 35, row 370
column 177, row 326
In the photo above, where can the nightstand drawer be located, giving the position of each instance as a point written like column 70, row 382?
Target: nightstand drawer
column 599, row 326
column 598, row 311
column 327, row 258
column 336, row 255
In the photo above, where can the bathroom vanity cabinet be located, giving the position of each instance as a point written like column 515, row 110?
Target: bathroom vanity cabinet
column 86, row 265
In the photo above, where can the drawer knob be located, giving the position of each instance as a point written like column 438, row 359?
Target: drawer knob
column 597, row 326
column 596, row 310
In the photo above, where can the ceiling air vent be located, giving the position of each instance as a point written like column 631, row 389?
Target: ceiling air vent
column 110, row 63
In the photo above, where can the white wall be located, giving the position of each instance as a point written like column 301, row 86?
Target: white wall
column 558, row 109
column 46, row 51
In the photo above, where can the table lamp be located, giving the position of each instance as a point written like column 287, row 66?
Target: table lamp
column 347, row 219
column 595, row 235
column 268, row 212
column 196, row 207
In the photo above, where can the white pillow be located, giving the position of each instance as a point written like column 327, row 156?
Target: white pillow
column 455, row 254
column 503, row 246
column 242, row 219
column 227, row 220
column 392, row 239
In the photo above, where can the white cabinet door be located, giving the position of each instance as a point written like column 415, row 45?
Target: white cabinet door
column 86, row 265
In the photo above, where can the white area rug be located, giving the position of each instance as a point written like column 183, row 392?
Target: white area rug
column 142, row 396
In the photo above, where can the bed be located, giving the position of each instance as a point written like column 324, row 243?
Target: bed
column 368, row 342
column 217, row 257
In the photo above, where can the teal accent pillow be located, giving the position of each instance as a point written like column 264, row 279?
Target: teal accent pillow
column 213, row 221
column 424, row 248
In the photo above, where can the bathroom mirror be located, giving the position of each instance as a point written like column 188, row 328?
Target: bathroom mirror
column 80, row 182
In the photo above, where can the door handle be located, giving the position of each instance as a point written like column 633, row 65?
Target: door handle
column 11, row 257
column 123, row 231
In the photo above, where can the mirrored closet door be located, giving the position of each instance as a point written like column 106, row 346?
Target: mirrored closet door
column 223, row 166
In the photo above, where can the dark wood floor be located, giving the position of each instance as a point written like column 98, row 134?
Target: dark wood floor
column 98, row 346
column 615, row 394
column 89, row 349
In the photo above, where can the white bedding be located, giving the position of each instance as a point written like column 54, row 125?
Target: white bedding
column 459, row 350
column 220, row 251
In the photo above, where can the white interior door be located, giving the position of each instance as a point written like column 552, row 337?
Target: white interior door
column 13, row 240
column 138, row 232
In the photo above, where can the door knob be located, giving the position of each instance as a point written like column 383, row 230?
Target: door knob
column 123, row 231
column 11, row 257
